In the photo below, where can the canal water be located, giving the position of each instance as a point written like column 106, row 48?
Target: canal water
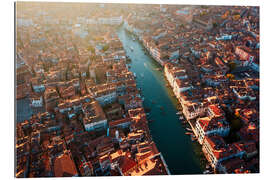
column 165, row 127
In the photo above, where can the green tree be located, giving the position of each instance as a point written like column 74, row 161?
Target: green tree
column 91, row 48
column 105, row 48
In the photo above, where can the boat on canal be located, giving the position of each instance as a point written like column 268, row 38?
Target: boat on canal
column 189, row 133
column 206, row 172
column 179, row 112
column 193, row 138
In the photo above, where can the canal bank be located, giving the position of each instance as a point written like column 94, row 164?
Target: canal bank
column 165, row 127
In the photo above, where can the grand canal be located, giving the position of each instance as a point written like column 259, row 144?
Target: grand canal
column 166, row 129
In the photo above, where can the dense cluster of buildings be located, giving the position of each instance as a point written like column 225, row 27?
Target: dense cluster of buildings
column 94, row 122
column 210, row 57
column 71, row 63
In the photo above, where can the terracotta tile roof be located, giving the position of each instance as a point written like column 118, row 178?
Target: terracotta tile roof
column 232, row 164
column 126, row 163
column 215, row 110
column 119, row 122
column 64, row 166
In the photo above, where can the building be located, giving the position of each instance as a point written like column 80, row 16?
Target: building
column 203, row 22
column 66, row 91
column 121, row 123
column 117, row 20
column 37, row 101
column 86, row 168
column 211, row 126
column 51, row 98
column 132, row 103
column 37, row 85
column 192, row 110
column 177, row 79
column 216, row 150
column 244, row 93
column 184, row 14
column 105, row 164
column 104, row 93
column 64, row 166
column 94, row 117
column 244, row 54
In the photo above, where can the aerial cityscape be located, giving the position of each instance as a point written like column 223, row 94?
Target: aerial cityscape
column 136, row 89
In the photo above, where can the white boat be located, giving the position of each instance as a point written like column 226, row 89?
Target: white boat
column 247, row 74
column 134, row 74
column 178, row 113
column 206, row 172
column 131, row 48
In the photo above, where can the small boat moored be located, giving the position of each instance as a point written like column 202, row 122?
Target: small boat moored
column 179, row 112
column 206, row 172
column 192, row 138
